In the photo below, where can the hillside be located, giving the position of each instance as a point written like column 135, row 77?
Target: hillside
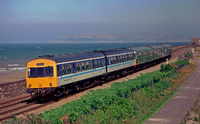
column 128, row 37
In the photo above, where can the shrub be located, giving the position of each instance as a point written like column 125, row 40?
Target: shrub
column 149, row 92
column 188, row 55
column 162, row 85
column 166, row 68
column 182, row 62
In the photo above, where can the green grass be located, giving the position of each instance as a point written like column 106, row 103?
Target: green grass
column 156, row 110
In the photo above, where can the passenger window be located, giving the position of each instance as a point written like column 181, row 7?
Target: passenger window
column 114, row 60
column 64, row 71
column 96, row 64
column 87, row 65
column 130, row 56
column 91, row 63
column 74, row 68
column 109, row 61
column 150, row 53
column 83, row 66
column 69, row 68
column 117, row 59
column 103, row 62
column 99, row 62
column 120, row 59
column 78, row 67
column 123, row 58
column 126, row 58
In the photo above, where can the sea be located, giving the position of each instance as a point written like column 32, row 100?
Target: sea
column 14, row 57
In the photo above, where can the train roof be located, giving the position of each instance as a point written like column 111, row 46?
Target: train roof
column 142, row 48
column 73, row 56
column 116, row 51
column 156, row 46
column 97, row 54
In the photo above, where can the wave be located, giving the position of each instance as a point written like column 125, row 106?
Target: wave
column 11, row 65
column 2, row 69
column 19, row 68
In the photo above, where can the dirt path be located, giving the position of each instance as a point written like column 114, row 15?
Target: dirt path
column 176, row 108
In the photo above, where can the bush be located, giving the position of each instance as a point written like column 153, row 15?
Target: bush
column 188, row 55
column 149, row 92
column 166, row 68
column 162, row 85
column 182, row 62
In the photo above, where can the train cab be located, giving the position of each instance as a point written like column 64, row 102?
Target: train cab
column 41, row 74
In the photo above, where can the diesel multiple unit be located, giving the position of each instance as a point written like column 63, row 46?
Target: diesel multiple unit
column 51, row 76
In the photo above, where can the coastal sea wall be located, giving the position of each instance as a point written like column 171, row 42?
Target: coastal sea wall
column 12, row 89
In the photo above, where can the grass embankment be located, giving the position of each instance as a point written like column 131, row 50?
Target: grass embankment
column 133, row 101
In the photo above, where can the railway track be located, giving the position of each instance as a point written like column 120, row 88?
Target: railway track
column 22, row 104
column 19, row 106
column 14, row 100
column 178, row 51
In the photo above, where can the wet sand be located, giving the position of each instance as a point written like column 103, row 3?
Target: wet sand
column 11, row 77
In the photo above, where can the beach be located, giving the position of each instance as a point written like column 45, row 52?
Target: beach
column 12, row 77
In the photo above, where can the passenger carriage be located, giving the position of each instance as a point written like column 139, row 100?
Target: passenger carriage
column 146, row 55
column 49, row 74
column 117, row 61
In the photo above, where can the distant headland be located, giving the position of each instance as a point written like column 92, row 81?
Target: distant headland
column 122, row 38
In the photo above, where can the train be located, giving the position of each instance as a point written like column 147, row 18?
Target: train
column 51, row 76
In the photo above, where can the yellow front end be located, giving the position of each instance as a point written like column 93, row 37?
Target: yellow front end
column 41, row 73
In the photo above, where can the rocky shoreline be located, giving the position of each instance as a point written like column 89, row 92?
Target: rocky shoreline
column 12, row 89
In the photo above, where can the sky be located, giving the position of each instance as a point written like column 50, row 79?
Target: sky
column 43, row 21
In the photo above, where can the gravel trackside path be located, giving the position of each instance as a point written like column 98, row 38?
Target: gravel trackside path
column 176, row 108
